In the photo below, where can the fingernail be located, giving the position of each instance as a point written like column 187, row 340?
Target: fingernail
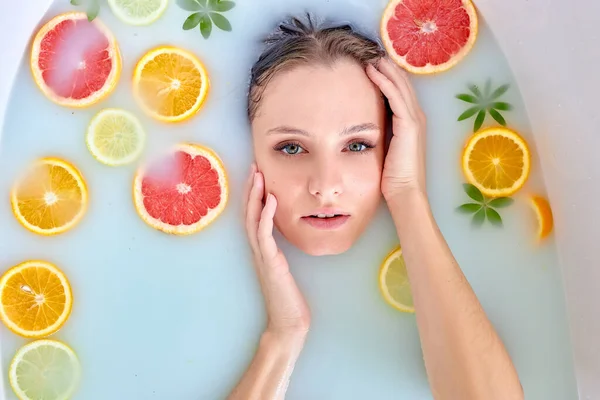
column 270, row 198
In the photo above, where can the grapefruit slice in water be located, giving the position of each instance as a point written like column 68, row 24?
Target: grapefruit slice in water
column 429, row 36
column 183, row 192
column 74, row 62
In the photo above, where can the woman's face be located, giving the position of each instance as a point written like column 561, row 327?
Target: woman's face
column 319, row 137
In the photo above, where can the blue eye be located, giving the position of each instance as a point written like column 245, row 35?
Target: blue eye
column 357, row 146
column 292, row 149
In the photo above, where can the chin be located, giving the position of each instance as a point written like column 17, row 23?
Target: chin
column 324, row 247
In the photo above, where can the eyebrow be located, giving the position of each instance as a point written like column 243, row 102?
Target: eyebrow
column 369, row 126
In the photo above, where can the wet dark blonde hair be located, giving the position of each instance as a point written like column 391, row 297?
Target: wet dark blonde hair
column 297, row 42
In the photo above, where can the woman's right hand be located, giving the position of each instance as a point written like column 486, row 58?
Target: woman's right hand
column 287, row 311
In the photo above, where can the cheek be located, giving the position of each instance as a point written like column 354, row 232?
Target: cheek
column 283, row 180
column 366, row 179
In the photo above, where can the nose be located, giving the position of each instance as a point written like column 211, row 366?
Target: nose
column 326, row 179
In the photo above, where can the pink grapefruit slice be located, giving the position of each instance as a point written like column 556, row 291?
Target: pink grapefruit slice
column 429, row 36
column 75, row 63
column 182, row 193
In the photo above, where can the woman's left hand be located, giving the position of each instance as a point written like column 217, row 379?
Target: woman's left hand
column 404, row 168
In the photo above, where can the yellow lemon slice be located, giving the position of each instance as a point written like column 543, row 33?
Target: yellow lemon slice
column 394, row 284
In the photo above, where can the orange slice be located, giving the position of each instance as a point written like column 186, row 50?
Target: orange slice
column 75, row 62
column 50, row 198
column 170, row 84
column 183, row 192
column 394, row 284
column 426, row 37
column 543, row 212
column 35, row 299
column 497, row 161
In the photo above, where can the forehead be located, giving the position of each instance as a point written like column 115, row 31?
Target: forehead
column 318, row 96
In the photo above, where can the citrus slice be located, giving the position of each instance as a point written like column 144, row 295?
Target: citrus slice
column 35, row 299
column 543, row 212
column 496, row 161
column 183, row 192
column 44, row 369
column 50, row 198
column 74, row 62
column 170, row 84
column 138, row 12
column 115, row 137
column 426, row 37
column 394, row 284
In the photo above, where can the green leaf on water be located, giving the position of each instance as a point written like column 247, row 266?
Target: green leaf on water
column 93, row 10
column 499, row 92
column 205, row 26
column 468, row 113
column 192, row 5
column 192, row 21
column 473, row 192
column 223, row 6
column 501, row 202
column 488, row 88
column 493, row 216
column 475, row 90
column 497, row 116
column 479, row 120
column 478, row 218
column 467, row 97
column 221, row 22
column 501, row 105
column 469, row 208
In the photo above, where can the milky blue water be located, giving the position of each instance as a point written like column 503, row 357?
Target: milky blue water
column 164, row 317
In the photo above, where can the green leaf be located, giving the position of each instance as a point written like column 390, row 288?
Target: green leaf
column 479, row 120
column 93, row 10
column 475, row 90
column 467, row 97
column 478, row 218
column 192, row 5
column 493, row 216
column 469, row 113
column 502, row 106
column 192, row 21
column 488, row 88
column 469, row 208
column 221, row 22
column 212, row 4
column 501, row 202
column 205, row 26
column 223, row 6
column 76, row 2
column 473, row 192
column 497, row 116
column 499, row 92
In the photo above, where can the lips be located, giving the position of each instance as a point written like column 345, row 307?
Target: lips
column 326, row 219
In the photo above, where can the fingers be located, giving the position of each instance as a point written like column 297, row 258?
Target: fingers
column 395, row 85
column 254, row 209
column 400, row 78
column 266, row 242
column 389, row 90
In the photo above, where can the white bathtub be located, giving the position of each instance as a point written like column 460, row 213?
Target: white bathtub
column 552, row 46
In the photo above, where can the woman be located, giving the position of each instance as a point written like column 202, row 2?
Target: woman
column 318, row 114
